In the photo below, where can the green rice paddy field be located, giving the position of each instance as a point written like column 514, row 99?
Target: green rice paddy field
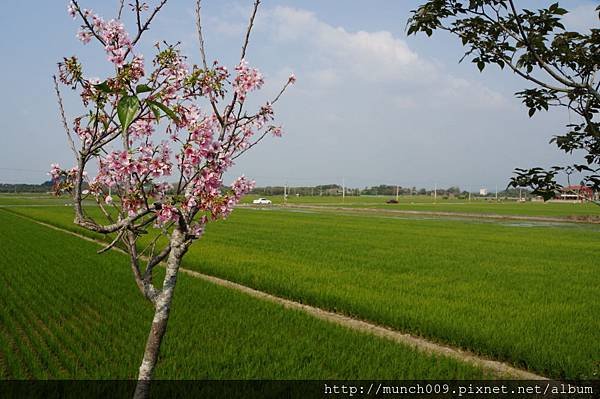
column 406, row 203
column 525, row 293
column 426, row 204
column 67, row 313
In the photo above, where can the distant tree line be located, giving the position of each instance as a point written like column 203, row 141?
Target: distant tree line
column 26, row 188
column 319, row 190
column 382, row 189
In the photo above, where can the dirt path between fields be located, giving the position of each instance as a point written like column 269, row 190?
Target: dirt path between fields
column 493, row 216
column 500, row 369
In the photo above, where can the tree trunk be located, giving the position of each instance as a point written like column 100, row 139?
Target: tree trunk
column 161, row 315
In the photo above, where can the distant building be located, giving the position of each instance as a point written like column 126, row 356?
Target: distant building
column 576, row 193
column 483, row 191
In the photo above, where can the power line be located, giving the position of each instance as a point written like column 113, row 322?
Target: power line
column 24, row 170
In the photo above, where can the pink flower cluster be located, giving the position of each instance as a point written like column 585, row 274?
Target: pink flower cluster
column 277, row 131
column 137, row 67
column 175, row 74
column 55, row 171
column 213, row 80
column 167, row 213
column 142, row 128
column 85, row 36
column 85, row 134
column 72, row 9
column 63, row 179
column 117, row 43
column 136, row 166
column 265, row 115
column 242, row 186
column 201, row 145
column 246, row 80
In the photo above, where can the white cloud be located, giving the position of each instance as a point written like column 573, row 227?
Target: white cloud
column 367, row 95
column 370, row 55
column 372, row 62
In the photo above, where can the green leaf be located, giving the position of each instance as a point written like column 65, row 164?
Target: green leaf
column 127, row 109
column 142, row 89
column 103, row 87
column 170, row 113
column 560, row 11
column 155, row 110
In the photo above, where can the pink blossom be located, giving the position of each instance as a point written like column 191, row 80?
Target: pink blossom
column 85, row 36
column 167, row 213
column 137, row 67
column 97, row 22
column 116, row 55
column 141, row 128
column 265, row 115
column 190, row 116
column 247, row 79
column 277, row 131
column 132, row 204
column 197, row 229
column 242, row 186
column 212, row 84
column 72, row 9
column 292, row 79
column 55, row 171
column 108, row 200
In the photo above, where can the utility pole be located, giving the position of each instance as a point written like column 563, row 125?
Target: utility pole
column 469, row 193
column 435, row 193
column 343, row 189
column 285, row 193
column 496, row 193
column 397, row 191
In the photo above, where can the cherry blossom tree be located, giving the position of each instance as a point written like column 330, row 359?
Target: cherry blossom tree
column 160, row 134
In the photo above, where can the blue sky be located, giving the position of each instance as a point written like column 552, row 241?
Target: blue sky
column 370, row 106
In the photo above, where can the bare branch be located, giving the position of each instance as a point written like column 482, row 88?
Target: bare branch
column 541, row 63
column 155, row 260
column 146, row 287
column 104, row 211
column 244, row 47
column 87, row 23
column 262, row 136
column 111, row 228
column 63, row 117
column 203, row 56
column 200, row 37
column 285, row 86
column 533, row 79
column 121, row 4
column 112, row 244
column 147, row 23
column 137, row 15
column 249, row 29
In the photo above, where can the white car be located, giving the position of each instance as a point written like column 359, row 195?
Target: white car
column 262, row 201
